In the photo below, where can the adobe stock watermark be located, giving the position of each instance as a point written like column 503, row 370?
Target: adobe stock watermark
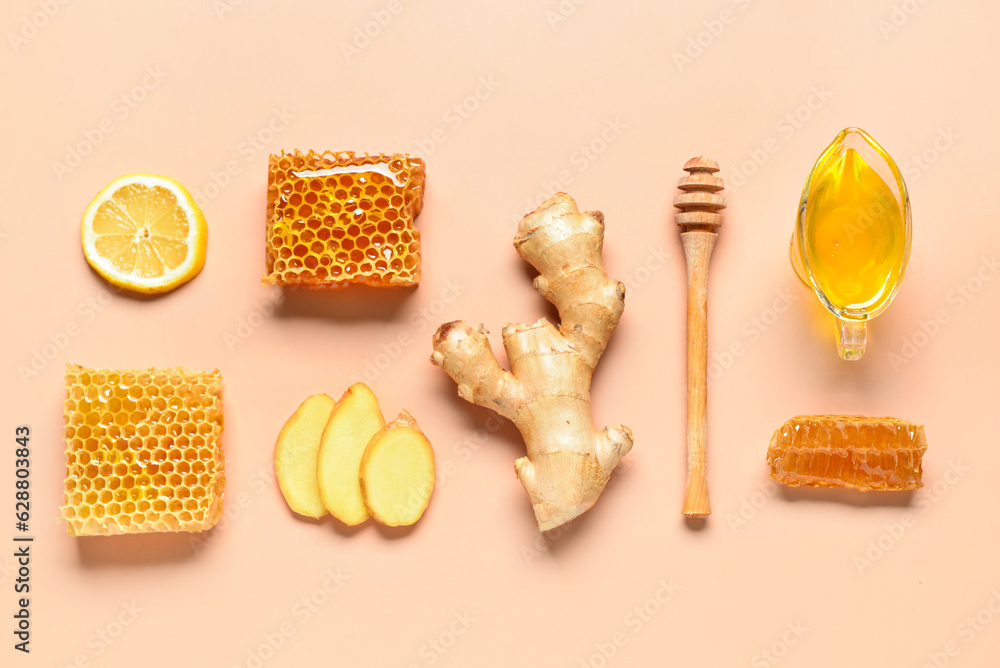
column 435, row 648
column 634, row 621
column 121, row 108
column 751, row 504
column 696, row 45
column 916, row 165
column 580, row 160
column 893, row 532
column 957, row 299
column 777, row 650
column 751, row 331
column 463, row 450
column 966, row 632
column 247, row 150
column 221, row 8
column 369, row 31
column 234, row 508
column 249, row 322
column 561, row 12
column 103, row 638
column 34, row 23
column 420, row 323
column 656, row 259
column 456, row 115
column 43, row 354
column 272, row 640
column 875, row 212
column 899, row 16
column 871, row 215
column 786, row 126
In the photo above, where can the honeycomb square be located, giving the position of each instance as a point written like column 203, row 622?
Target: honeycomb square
column 143, row 450
column 338, row 218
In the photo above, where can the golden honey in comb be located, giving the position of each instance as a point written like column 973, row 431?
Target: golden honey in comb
column 340, row 218
column 143, row 450
column 848, row 451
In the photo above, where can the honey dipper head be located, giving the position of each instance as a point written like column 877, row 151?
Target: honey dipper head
column 701, row 164
column 699, row 199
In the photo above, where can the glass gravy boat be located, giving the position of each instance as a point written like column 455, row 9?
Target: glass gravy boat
column 852, row 238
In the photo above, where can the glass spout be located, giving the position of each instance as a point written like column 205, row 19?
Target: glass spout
column 852, row 339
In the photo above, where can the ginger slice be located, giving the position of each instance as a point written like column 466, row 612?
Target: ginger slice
column 397, row 472
column 295, row 455
column 355, row 420
column 848, row 451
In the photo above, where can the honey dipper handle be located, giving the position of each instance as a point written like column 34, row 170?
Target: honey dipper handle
column 700, row 204
column 697, row 251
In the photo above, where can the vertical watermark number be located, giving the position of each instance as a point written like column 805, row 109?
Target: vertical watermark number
column 22, row 543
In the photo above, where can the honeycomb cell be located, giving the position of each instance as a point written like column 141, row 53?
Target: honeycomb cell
column 119, row 434
column 322, row 206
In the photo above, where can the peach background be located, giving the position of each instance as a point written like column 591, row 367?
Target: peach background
column 771, row 570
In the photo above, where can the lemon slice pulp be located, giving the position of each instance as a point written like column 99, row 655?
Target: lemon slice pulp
column 144, row 232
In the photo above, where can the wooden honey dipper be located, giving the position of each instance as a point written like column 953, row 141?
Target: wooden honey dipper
column 699, row 219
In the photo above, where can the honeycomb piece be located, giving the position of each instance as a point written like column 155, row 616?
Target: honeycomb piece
column 340, row 218
column 143, row 450
column 848, row 451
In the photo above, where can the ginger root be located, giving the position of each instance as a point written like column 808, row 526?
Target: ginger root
column 546, row 394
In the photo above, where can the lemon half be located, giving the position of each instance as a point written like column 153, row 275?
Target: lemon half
column 144, row 232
